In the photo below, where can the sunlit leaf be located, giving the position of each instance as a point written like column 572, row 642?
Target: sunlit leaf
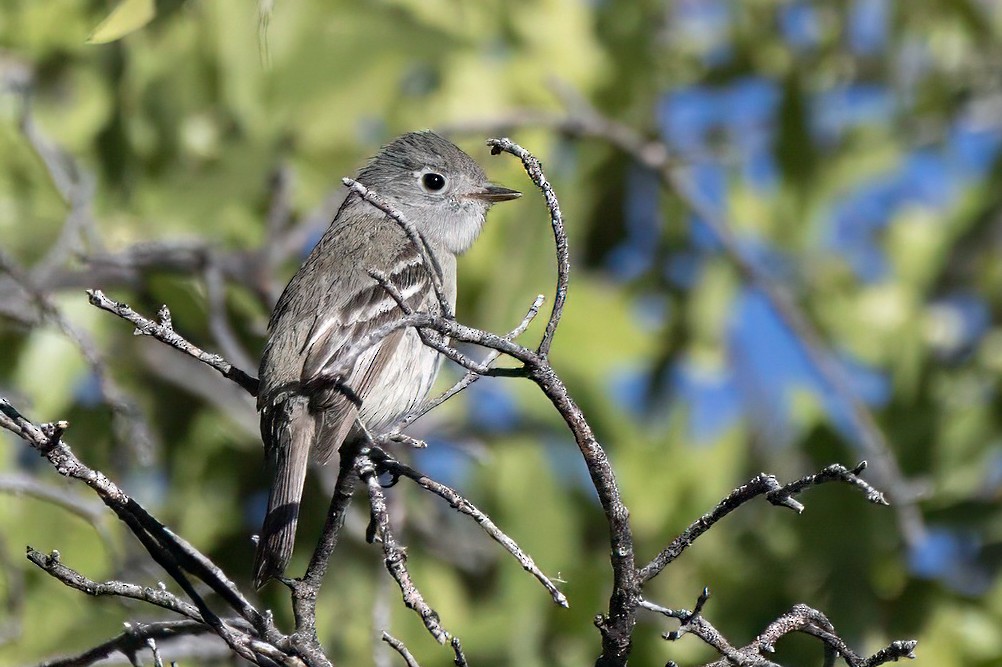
column 127, row 16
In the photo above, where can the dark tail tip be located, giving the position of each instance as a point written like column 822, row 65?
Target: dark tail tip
column 274, row 548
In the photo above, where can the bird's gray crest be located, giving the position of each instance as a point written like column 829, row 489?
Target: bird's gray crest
column 450, row 218
column 414, row 151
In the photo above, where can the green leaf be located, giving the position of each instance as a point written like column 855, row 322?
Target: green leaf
column 126, row 17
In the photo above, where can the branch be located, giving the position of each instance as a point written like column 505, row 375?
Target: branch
column 306, row 591
column 429, row 338
column 399, row 647
column 835, row 473
column 471, row 375
column 159, row 597
column 800, row 618
column 428, row 258
column 535, row 171
column 395, row 556
column 164, row 332
column 461, row 504
column 131, row 641
column 169, row 550
column 768, row 486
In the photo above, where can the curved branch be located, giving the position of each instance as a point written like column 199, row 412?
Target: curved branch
column 535, row 171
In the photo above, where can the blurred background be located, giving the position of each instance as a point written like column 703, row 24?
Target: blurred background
column 835, row 298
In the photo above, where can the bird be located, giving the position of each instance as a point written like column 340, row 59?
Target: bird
column 333, row 301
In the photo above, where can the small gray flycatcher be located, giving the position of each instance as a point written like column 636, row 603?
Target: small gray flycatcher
column 332, row 302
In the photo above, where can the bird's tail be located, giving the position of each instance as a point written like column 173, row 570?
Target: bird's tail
column 278, row 534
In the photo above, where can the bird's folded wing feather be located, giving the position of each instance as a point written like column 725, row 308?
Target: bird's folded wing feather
column 334, row 334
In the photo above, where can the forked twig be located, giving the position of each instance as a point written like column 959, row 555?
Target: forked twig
column 461, row 504
column 395, row 556
column 471, row 375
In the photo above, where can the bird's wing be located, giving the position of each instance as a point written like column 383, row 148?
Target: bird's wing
column 333, row 335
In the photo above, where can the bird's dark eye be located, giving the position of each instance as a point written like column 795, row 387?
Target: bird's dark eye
column 432, row 182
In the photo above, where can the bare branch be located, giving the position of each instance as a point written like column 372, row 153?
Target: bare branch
column 395, row 556
column 892, row 653
column 131, row 641
column 164, row 332
column 399, row 647
column 833, row 473
column 617, row 627
column 159, row 597
column 471, row 375
column 457, row 649
column 427, row 256
column 776, row 494
column 306, row 590
column 461, row 504
column 800, row 618
column 535, row 171
column 168, row 549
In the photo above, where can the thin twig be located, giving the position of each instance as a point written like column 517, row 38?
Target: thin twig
column 834, row 473
column 471, row 375
column 892, row 653
column 535, row 171
column 461, row 504
column 427, row 255
column 164, row 332
column 457, row 650
column 442, row 325
column 399, row 647
column 159, row 597
column 430, row 338
column 131, row 640
column 395, row 556
column 761, row 484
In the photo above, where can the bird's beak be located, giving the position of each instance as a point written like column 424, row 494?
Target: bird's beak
column 494, row 193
